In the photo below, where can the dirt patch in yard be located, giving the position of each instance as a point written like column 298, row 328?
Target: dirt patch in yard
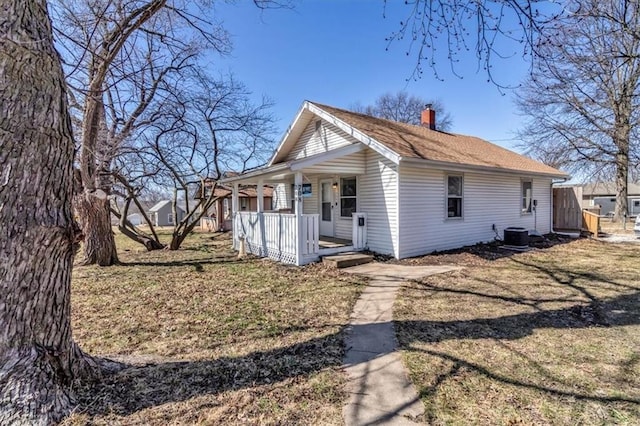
column 478, row 254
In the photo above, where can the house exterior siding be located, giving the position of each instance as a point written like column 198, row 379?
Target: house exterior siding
column 312, row 141
column 378, row 197
column 310, row 204
column 488, row 198
column 349, row 164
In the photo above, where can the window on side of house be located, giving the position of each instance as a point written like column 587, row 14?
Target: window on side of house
column 454, row 196
column 348, row 196
column 170, row 218
column 527, row 196
column 244, row 202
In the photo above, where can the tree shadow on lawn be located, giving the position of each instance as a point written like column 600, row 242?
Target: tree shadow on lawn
column 138, row 387
column 587, row 311
column 135, row 388
column 620, row 311
column 190, row 262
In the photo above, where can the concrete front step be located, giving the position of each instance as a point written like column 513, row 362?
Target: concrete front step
column 345, row 260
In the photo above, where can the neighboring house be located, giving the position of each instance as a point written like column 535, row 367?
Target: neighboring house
column 162, row 213
column 603, row 194
column 219, row 216
column 389, row 187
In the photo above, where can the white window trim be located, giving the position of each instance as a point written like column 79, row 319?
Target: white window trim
column 522, row 211
column 348, row 196
column 446, row 198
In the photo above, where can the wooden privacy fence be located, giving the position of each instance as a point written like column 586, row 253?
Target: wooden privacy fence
column 591, row 222
column 567, row 208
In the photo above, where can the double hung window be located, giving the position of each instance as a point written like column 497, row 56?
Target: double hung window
column 454, row 196
column 348, row 196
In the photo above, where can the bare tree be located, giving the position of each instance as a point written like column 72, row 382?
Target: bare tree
column 582, row 97
column 406, row 108
column 38, row 358
column 491, row 29
column 121, row 56
column 214, row 127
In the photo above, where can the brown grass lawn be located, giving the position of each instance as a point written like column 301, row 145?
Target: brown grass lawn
column 210, row 339
column 550, row 336
column 609, row 227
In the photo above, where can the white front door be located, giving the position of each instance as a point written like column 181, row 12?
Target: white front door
column 326, row 208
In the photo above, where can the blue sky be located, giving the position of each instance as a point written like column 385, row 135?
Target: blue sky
column 334, row 52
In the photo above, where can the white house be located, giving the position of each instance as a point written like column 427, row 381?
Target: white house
column 348, row 181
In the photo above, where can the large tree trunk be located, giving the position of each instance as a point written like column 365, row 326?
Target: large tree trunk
column 621, row 138
column 622, row 176
column 38, row 359
column 92, row 204
column 95, row 218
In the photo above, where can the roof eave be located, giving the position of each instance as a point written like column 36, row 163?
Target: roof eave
column 283, row 141
column 263, row 172
column 462, row 167
column 357, row 134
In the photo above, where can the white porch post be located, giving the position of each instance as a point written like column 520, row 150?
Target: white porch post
column 234, row 212
column 298, row 208
column 260, row 191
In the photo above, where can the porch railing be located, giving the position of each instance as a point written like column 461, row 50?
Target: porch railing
column 274, row 235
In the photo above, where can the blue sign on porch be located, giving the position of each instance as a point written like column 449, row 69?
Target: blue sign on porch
column 306, row 190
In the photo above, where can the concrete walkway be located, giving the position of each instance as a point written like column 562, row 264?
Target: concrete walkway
column 381, row 392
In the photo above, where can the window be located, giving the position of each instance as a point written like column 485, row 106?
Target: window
column 348, row 196
column 527, row 195
column 170, row 218
column 243, row 203
column 454, row 196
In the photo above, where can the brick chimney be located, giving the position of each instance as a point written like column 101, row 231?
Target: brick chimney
column 428, row 117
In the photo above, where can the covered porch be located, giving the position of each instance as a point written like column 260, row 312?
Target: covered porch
column 314, row 208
